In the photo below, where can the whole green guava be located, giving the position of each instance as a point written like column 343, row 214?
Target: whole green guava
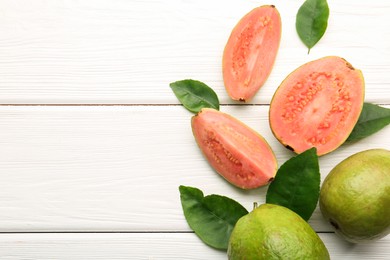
column 355, row 196
column 274, row 232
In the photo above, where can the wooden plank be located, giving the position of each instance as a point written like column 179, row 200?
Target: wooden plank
column 98, row 51
column 151, row 246
column 102, row 168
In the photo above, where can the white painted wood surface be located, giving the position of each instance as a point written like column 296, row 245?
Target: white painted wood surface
column 117, row 168
column 76, row 169
column 120, row 51
column 149, row 247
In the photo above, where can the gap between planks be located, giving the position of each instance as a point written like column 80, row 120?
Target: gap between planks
column 120, row 232
column 126, row 105
column 135, row 105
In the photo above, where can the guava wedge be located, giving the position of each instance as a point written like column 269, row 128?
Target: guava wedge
column 355, row 196
column 274, row 232
column 250, row 52
column 317, row 105
column 237, row 152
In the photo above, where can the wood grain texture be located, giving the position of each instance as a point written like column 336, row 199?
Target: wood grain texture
column 99, row 51
column 119, row 168
column 150, row 246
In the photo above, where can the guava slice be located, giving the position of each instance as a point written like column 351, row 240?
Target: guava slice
column 317, row 105
column 250, row 52
column 237, row 152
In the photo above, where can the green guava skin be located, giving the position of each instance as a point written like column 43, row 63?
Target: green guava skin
column 355, row 196
column 274, row 232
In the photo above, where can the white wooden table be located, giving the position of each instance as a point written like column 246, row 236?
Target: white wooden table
column 93, row 143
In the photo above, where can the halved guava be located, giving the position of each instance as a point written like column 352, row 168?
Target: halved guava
column 237, row 152
column 250, row 52
column 317, row 105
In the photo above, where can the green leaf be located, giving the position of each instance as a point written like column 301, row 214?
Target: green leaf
column 311, row 21
column 212, row 217
column 372, row 119
column 195, row 95
column 297, row 184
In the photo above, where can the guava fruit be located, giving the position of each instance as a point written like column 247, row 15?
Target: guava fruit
column 237, row 152
column 317, row 105
column 250, row 52
column 355, row 196
column 274, row 232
